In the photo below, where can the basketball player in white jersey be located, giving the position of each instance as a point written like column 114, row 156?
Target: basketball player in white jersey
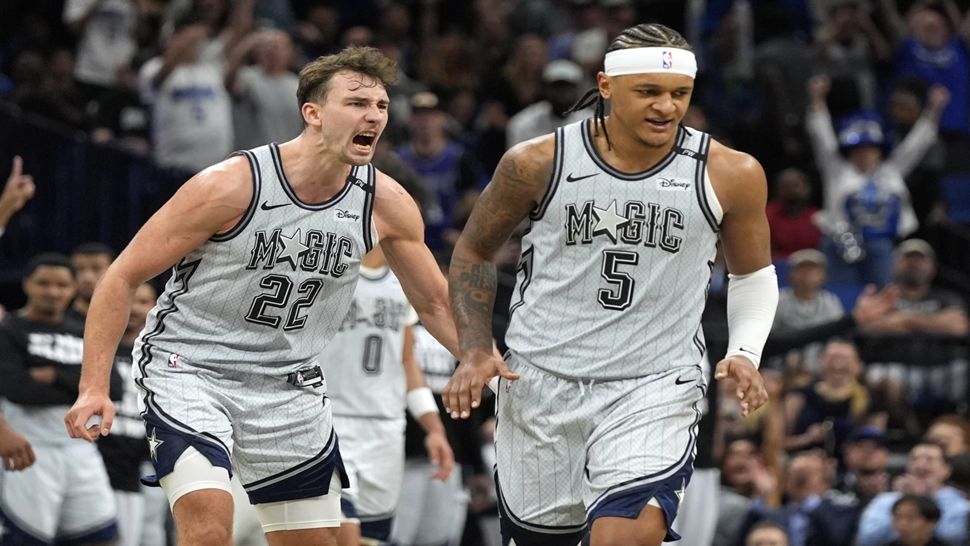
column 372, row 378
column 267, row 245
column 625, row 212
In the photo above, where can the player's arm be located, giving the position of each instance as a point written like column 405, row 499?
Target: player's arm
column 424, row 409
column 518, row 185
column 401, row 232
column 211, row 202
column 741, row 188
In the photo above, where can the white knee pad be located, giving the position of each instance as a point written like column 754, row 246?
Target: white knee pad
column 311, row 513
column 193, row 472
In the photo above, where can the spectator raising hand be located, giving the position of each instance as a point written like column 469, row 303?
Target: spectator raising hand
column 16, row 192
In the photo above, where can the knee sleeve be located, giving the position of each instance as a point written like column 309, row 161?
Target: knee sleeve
column 310, row 513
column 193, row 472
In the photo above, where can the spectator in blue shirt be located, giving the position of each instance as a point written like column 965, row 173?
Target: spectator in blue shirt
column 926, row 473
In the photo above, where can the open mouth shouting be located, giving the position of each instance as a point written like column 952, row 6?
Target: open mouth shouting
column 364, row 141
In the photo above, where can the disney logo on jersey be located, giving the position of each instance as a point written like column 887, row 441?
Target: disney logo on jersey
column 649, row 224
column 315, row 251
column 671, row 184
column 347, row 215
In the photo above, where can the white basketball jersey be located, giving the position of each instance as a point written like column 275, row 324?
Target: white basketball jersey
column 267, row 296
column 436, row 361
column 364, row 362
column 615, row 266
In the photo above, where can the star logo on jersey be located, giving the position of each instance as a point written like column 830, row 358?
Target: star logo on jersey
column 608, row 221
column 291, row 248
column 153, row 444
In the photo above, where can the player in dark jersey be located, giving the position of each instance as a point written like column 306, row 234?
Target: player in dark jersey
column 125, row 449
column 65, row 494
column 90, row 261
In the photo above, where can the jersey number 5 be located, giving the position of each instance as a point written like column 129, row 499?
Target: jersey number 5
column 280, row 289
column 619, row 295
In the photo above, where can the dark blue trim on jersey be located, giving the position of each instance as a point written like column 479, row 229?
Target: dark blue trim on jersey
column 630, row 502
column 308, row 479
column 688, row 455
column 182, row 273
column 347, row 508
column 15, row 535
column 285, row 183
column 378, row 528
column 697, row 340
column 700, row 187
column 601, row 163
column 154, row 414
column 367, row 222
column 173, row 437
column 525, row 264
column 99, row 535
column 251, row 209
column 531, row 534
column 557, row 161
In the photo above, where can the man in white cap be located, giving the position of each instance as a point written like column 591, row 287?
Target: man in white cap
column 561, row 80
column 625, row 212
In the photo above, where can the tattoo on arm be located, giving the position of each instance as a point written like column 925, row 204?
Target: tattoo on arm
column 472, row 287
column 514, row 190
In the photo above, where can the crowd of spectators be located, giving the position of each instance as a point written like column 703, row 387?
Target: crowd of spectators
column 859, row 111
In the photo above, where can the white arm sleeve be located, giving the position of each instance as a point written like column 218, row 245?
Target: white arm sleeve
column 751, row 304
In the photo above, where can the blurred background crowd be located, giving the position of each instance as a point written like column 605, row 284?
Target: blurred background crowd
column 859, row 111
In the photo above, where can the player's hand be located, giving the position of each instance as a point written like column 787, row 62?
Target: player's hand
column 15, row 450
column 88, row 405
column 439, row 451
column 751, row 390
column 464, row 390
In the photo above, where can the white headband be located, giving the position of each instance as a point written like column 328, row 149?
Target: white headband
column 650, row 60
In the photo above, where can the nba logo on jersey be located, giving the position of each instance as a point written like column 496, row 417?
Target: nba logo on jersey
column 173, row 360
column 667, row 59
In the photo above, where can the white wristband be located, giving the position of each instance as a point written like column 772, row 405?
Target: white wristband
column 751, row 304
column 421, row 401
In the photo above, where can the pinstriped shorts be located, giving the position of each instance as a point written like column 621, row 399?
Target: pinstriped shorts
column 568, row 452
column 277, row 437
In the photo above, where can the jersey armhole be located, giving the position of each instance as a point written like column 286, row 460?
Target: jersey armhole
column 557, row 160
column 251, row 209
column 368, row 224
column 706, row 198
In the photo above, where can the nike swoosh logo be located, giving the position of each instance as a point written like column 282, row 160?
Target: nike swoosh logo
column 266, row 206
column 571, row 178
column 681, row 380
